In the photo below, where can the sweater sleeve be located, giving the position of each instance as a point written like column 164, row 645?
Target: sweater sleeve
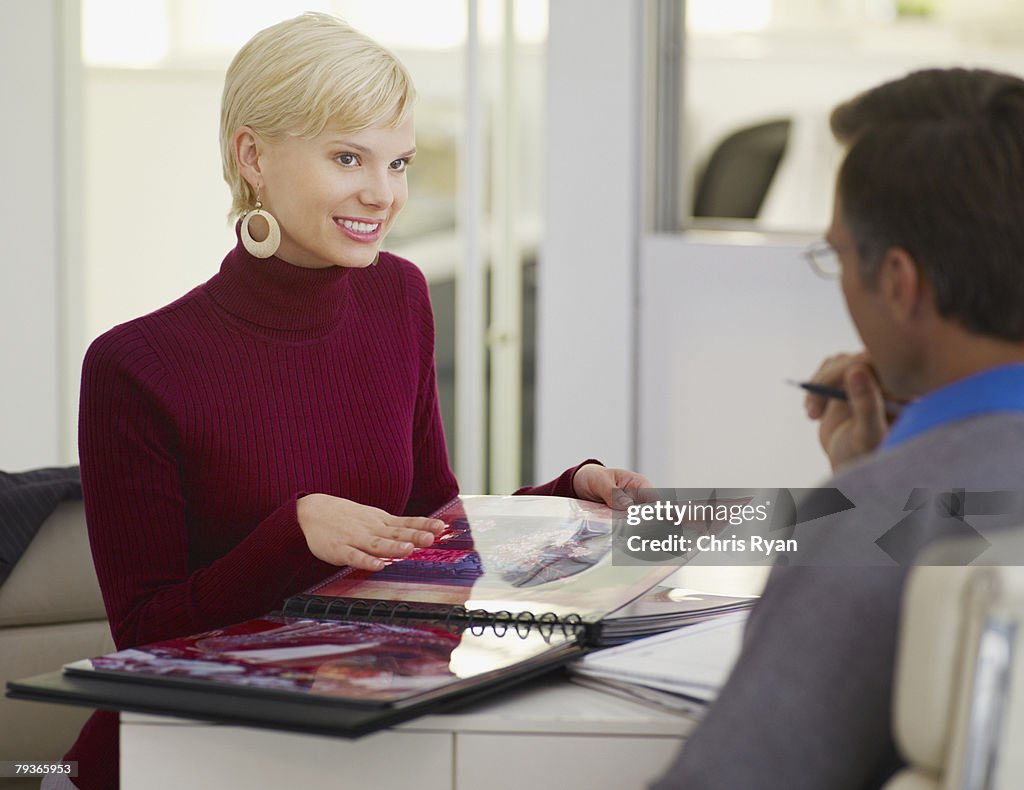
column 137, row 518
column 433, row 483
column 560, row 486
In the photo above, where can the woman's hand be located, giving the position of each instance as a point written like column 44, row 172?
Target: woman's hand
column 343, row 532
column 849, row 429
column 599, row 483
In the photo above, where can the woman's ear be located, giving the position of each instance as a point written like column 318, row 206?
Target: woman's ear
column 247, row 155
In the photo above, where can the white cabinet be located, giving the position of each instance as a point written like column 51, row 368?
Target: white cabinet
column 504, row 761
column 553, row 734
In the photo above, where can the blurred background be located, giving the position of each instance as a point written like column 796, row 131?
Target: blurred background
column 609, row 202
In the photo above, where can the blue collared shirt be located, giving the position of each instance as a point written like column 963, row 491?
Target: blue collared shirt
column 993, row 390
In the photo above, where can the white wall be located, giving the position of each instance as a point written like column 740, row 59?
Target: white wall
column 155, row 213
column 30, row 226
column 722, row 326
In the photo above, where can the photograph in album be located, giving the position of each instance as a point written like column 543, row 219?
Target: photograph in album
column 539, row 556
column 360, row 663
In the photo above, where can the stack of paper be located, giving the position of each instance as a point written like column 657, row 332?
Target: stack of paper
column 665, row 609
column 680, row 670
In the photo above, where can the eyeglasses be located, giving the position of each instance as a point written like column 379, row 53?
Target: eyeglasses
column 824, row 259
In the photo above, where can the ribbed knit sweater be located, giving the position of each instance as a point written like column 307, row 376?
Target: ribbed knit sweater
column 203, row 423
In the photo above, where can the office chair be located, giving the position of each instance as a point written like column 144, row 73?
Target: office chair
column 959, row 684
column 740, row 170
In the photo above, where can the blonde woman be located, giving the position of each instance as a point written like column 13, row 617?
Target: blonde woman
column 280, row 419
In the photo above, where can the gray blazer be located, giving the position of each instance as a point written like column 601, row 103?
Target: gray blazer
column 808, row 704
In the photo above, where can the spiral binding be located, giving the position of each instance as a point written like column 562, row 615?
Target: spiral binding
column 331, row 608
column 455, row 618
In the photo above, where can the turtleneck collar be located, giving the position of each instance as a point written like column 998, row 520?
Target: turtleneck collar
column 276, row 295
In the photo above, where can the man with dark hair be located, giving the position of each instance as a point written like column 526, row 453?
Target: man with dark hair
column 928, row 228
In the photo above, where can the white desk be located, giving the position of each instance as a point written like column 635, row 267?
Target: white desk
column 552, row 734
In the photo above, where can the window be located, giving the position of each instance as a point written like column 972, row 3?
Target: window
column 761, row 76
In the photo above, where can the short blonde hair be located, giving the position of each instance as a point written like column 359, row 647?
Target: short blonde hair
column 301, row 74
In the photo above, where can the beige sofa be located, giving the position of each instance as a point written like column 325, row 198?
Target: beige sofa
column 51, row 612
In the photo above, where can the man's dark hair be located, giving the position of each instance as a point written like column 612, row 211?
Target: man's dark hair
column 935, row 165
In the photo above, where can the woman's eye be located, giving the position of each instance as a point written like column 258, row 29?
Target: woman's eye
column 347, row 160
column 399, row 165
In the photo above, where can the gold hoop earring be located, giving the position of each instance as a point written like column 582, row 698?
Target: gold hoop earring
column 267, row 247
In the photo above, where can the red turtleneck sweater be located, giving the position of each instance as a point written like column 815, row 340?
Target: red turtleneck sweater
column 202, row 423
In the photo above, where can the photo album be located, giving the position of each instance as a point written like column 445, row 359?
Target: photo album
column 512, row 588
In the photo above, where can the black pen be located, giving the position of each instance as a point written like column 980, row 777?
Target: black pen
column 892, row 408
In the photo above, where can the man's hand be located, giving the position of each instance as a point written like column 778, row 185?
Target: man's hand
column 850, row 429
column 599, row 483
